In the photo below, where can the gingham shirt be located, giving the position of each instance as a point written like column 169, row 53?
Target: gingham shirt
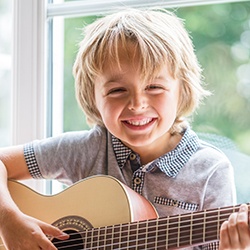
column 194, row 176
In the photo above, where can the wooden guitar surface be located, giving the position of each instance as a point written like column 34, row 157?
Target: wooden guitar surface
column 93, row 202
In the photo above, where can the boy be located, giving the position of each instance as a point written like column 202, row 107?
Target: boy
column 137, row 80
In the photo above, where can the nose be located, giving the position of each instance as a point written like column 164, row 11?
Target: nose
column 137, row 102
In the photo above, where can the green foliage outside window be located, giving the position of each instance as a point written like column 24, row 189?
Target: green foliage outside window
column 221, row 34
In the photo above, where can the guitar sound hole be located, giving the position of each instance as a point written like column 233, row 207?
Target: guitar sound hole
column 75, row 241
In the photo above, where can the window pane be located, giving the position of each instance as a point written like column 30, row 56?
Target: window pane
column 5, row 71
column 221, row 34
column 73, row 116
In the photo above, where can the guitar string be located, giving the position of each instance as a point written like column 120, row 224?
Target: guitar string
column 174, row 218
column 229, row 210
column 117, row 245
column 117, row 242
column 139, row 239
column 91, row 232
column 167, row 218
column 200, row 233
column 160, row 243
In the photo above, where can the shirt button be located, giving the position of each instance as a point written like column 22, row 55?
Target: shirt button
column 137, row 181
column 132, row 156
column 175, row 203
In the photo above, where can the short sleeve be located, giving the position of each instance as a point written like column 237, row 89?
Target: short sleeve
column 31, row 161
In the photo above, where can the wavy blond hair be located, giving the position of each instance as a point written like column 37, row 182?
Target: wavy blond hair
column 159, row 36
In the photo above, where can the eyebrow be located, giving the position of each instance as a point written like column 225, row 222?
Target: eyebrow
column 114, row 78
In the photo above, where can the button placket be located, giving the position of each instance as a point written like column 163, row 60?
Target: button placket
column 134, row 162
column 132, row 156
column 137, row 181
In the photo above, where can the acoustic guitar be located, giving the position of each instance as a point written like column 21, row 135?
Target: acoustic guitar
column 102, row 213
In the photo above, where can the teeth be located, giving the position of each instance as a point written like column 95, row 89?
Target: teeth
column 140, row 123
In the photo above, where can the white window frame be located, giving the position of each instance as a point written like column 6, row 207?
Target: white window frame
column 96, row 7
column 28, row 88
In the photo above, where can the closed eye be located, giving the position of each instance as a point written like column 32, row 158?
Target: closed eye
column 114, row 91
column 155, row 88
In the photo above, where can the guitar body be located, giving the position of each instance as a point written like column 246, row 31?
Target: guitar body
column 97, row 201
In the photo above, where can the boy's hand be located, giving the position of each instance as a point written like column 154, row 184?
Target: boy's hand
column 23, row 232
column 234, row 233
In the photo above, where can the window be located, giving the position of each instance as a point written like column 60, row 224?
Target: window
column 221, row 34
column 5, row 71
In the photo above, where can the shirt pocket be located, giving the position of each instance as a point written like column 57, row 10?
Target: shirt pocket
column 176, row 203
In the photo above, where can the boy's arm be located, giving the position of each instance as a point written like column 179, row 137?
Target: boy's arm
column 17, row 230
column 14, row 163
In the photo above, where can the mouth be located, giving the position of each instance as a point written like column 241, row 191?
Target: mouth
column 141, row 122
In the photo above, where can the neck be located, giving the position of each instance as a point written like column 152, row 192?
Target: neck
column 158, row 148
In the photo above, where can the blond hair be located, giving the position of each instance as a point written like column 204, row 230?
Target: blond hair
column 159, row 36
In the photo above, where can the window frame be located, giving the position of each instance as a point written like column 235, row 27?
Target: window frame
column 88, row 8
column 29, row 71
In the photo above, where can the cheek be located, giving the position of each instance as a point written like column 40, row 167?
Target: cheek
column 108, row 110
column 98, row 99
column 176, row 99
column 168, row 104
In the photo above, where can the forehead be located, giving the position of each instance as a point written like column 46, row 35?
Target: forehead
column 123, row 51
column 123, row 54
column 130, row 57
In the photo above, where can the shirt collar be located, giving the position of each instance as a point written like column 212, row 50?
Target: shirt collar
column 122, row 152
column 170, row 163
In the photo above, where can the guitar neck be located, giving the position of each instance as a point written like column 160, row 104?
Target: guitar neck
column 163, row 233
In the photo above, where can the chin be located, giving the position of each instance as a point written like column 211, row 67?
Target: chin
column 132, row 143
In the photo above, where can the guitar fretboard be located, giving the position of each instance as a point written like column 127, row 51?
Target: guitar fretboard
column 163, row 233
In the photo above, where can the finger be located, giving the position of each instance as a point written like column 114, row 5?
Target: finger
column 51, row 232
column 46, row 244
column 242, row 226
column 224, row 237
column 40, row 240
column 233, row 231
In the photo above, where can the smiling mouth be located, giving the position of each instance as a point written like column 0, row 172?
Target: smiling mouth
column 139, row 122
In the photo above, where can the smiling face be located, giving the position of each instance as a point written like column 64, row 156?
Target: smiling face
column 137, row 111
column 162, row 44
